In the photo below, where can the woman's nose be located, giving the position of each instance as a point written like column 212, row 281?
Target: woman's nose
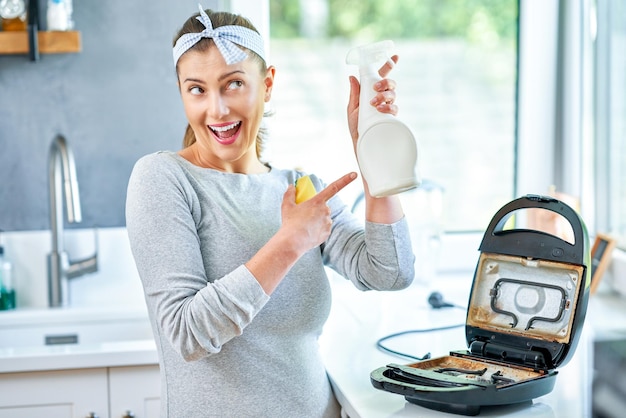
column 218, row 106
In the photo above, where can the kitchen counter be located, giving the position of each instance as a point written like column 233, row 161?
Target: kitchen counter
column 82, row 356
column 104, row 338
column 348, row 345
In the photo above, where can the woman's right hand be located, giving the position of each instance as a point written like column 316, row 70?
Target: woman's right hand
column 304, row 226
column 309, row 222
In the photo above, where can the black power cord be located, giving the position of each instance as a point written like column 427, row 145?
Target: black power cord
column 426, row 356
column 436, row 301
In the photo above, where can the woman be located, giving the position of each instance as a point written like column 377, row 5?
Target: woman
column 232, row 268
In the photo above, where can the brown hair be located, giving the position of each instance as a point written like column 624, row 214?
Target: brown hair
column 193, row 25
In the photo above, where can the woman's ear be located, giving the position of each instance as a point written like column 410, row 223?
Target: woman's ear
column 269, row 82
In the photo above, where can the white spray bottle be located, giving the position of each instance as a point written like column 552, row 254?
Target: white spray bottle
column 386, row 148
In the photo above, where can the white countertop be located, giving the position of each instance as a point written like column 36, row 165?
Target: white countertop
column 81, row 356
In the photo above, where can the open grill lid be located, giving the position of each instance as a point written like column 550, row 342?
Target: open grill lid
column 530, row 291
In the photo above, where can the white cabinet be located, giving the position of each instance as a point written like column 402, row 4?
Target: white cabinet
column 54, row 394
column 131, row 391
column 134, row 391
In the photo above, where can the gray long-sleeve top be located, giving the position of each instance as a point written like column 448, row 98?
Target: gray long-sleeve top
column 226, row 349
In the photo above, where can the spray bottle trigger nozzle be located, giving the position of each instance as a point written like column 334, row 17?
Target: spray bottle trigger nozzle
column 378, row 52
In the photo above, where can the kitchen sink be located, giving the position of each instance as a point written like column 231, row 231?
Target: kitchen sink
column 72, row 326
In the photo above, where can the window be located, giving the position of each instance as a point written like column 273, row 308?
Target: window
column 610, row 116
column 502, row 106
column 457, row 79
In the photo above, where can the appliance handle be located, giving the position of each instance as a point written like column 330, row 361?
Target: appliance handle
column 533, row 243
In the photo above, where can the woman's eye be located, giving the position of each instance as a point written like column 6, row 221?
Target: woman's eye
column 235, row 84
column 195, row 90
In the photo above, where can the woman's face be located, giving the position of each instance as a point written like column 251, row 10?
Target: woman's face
column 224, row 105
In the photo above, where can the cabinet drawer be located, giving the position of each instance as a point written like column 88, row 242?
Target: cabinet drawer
column 54, row 394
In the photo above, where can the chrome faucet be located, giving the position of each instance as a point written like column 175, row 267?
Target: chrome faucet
column 62, row 176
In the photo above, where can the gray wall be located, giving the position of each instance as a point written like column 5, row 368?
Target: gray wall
column 114, row 102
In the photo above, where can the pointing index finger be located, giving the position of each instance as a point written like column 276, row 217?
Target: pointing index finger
column 333, row 188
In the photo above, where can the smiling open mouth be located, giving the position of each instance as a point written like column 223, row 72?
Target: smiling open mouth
column 225, row 133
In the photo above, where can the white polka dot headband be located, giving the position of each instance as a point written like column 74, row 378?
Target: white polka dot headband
column 226, row 39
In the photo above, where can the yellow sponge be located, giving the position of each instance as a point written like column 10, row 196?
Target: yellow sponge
column 304, row 189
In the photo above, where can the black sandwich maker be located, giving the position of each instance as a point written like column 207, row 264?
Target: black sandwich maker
column 526, row 311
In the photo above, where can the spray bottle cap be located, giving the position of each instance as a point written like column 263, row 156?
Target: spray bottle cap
column 377, row 52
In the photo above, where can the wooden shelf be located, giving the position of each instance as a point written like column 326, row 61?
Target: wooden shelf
column 50, row 42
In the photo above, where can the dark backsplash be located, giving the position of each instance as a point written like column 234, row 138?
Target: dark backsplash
column 114, row 102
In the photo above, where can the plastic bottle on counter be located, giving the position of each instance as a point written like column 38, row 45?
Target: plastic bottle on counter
column 7, row 292
column 59, row 15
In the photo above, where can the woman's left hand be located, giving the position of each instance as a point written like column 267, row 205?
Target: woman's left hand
column 388, row 209
column 383, row 101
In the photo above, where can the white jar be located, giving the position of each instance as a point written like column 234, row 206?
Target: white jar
column 11, row 9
